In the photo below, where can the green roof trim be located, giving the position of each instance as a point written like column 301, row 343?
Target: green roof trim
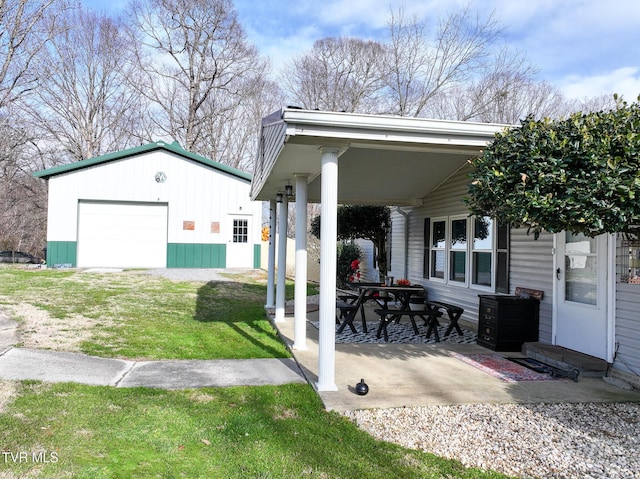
column 119, row 155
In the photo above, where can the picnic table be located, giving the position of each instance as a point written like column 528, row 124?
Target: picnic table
column 379, row 293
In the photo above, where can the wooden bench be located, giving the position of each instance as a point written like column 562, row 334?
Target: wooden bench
column 435, row 309
column 347, row 314
column 389, row 315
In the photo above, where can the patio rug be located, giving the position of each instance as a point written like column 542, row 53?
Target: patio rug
column 401, row 333
column 502, row 368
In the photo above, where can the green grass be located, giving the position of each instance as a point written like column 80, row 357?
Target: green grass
column 142, row 316
column 257, row 432
column 78, row 431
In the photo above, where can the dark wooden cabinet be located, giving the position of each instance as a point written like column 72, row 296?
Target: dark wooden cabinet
column 506, row 322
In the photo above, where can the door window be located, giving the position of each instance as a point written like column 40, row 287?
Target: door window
column 240, row 231
column 581, row 267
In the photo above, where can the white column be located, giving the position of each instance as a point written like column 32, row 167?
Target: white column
column 282, row 258
column 271, row 267
column 328, row 240
column 300, row 310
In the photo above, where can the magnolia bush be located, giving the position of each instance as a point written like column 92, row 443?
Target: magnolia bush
column 579, row 174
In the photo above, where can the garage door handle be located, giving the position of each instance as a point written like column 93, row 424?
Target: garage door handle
column 558, row 273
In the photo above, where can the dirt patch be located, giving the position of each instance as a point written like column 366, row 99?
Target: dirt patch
column 8, row 390
column 37, row 329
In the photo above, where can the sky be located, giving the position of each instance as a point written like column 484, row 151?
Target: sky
column 583, row 47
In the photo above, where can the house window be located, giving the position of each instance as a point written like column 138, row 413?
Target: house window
column 482, row 252
column 458, row 251
column 240, row 231
column 438, row 248
column 468, row 251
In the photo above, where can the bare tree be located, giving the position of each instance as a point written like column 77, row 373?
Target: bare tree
column 420, row 66
column 338, row 74
column 504, row 90
column 22, row 197
column 23, row 34
column 232, row 135
column 83, row 102
column 195, row 66
column 596, row 103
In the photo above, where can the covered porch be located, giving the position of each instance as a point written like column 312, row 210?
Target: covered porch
column 406, row 375
column 341, row 158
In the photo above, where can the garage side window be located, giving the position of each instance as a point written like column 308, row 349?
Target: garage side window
column 240, row 231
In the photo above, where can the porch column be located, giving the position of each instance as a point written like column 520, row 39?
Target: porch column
column 271, row 267
column 282, row 258
column 328, row 241
column 300, row 310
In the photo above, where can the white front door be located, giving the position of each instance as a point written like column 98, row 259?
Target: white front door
column 581, row 306
column 239, row 247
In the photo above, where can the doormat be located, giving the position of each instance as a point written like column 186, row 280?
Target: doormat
column 533, row 364
column 401, row 333
column 502, row 368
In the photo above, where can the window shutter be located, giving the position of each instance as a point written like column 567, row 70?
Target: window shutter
column 427, row 243
column 502, row 258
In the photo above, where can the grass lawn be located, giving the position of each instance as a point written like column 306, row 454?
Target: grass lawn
column 138, row 316
column 250, row 432
column 78, row 431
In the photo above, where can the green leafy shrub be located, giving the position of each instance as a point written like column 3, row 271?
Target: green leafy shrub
column 348, row 253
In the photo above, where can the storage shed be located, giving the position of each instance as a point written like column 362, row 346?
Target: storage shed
column 152, row 206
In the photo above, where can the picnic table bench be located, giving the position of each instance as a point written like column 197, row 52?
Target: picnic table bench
column 389, row 315
column 435, row 309
column 347, row 304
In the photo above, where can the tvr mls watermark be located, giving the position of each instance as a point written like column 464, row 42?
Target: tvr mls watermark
column 23, row 457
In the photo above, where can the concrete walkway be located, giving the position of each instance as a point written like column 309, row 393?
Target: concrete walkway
column 55, row 366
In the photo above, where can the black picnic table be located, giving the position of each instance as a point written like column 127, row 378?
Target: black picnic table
column 379, row 293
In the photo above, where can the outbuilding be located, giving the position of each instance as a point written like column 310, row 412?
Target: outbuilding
column 153, row 206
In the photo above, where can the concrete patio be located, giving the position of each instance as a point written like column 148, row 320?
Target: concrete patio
column 414, row 374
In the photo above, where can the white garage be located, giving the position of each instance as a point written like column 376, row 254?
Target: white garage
column 152, row 206
column 132, row 235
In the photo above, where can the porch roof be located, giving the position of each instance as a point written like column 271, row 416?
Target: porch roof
column 386, row 160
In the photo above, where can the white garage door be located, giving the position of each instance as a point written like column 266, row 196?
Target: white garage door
column 122, row 235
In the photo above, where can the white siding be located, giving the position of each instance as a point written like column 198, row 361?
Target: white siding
column 271, row 144
column 531, row 266
column 531, row 260
column 193, row 192
column 397, row 268
column 367, row 270
column 447, row 200
column 628, row 328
